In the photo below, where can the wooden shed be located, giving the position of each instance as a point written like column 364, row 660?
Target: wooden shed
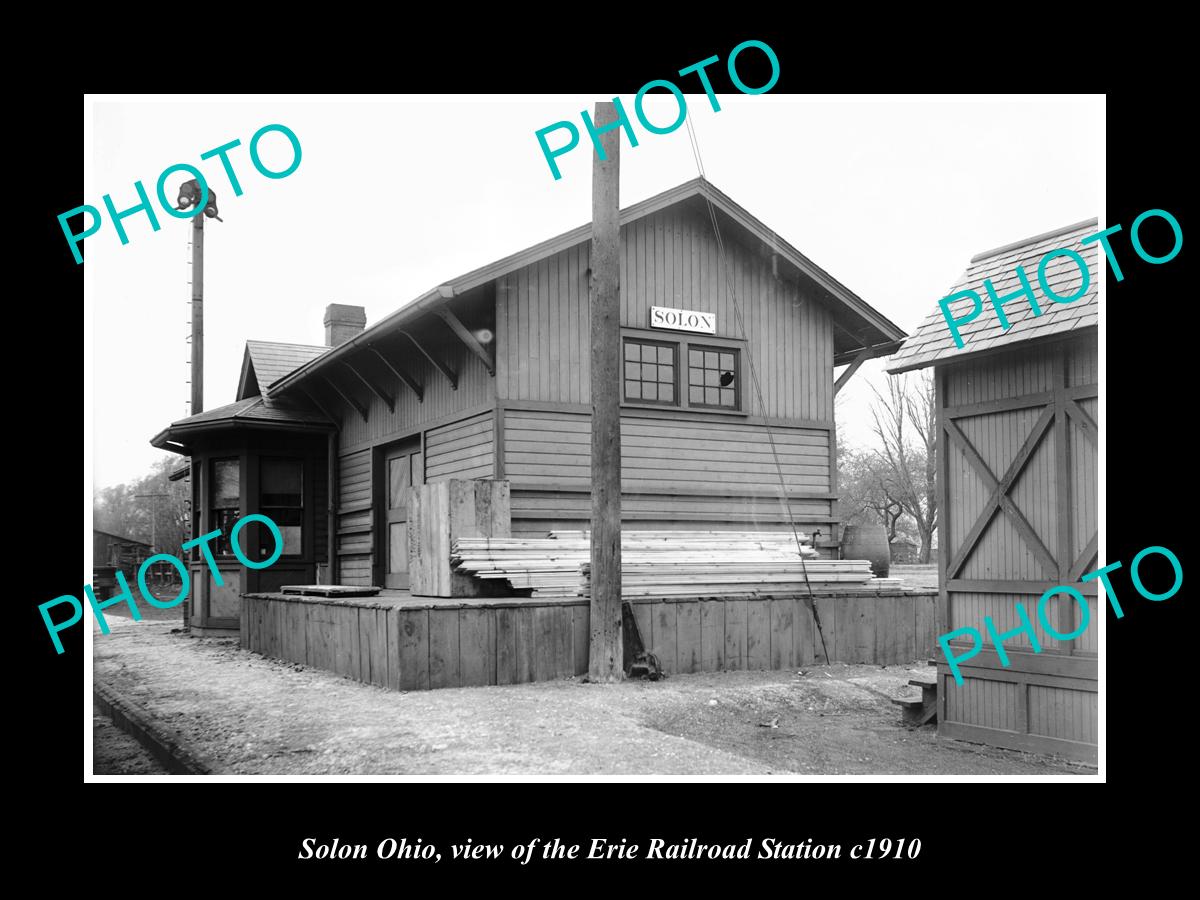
column 1017, row 480
column 116, row 551
column 486, row 376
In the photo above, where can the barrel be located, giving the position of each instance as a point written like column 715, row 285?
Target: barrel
column 867, row 542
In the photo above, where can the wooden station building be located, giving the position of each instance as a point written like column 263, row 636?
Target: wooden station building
column 1017, row 497
column 486, row 376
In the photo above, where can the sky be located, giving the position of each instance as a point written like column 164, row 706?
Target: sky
column 395, row 195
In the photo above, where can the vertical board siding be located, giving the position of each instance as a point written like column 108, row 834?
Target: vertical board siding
column 669, row 258
column 1082, row 453
column 988, row 704
column 475, row 387
column 463, row 449
column 1062, row 713
column 1056, row 493
column 408, row 648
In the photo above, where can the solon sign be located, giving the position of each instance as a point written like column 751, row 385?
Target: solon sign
column 683, row 320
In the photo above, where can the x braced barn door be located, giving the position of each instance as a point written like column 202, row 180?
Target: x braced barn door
column 1018, row 472
column 1018, row 497
column 404, row 467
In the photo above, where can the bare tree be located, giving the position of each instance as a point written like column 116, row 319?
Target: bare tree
column 905, row 419
column 867, row 495
column 119, row 510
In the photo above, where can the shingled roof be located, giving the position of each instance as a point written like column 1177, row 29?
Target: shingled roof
column 268, row 361
column 253, row 412
column 933, row 343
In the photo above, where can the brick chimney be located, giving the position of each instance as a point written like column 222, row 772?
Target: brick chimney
column 343, row 322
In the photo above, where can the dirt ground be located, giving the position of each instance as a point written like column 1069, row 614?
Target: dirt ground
column 116, row 753
column 251, row 715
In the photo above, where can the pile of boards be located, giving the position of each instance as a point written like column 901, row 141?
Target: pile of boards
column 665, row 564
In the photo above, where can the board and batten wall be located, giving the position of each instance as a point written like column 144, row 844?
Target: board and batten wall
column 1029, row 412
column 680, row 468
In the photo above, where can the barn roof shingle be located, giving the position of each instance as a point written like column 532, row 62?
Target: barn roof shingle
column 268, row 361
column 933, row 344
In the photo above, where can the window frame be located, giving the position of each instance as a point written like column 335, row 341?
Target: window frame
column 683, row 342
column 654, row 342
column 264, row 508
column 223, row 545
column 737, row 376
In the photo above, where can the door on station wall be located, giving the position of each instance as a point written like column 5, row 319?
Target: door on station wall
column 404, row 467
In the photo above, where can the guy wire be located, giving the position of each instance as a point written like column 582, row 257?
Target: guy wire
column 810, row 602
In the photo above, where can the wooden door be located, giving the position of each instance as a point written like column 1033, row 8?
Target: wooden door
column 404, row 467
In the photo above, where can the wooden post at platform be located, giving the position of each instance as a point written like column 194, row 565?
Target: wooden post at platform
column 606, row 656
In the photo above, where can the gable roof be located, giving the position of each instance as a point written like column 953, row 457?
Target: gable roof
column 121, row 538
column 933, row 342
column 859, row 325
column 268, row 361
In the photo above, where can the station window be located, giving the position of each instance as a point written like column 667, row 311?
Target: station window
column 684, row 373
column 281, row 500
column 651, row 369
column 225, row 501
column 713, row 377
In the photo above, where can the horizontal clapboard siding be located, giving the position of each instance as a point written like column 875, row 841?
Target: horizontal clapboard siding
column 666, row 455
column 463, row 449
column 354, row 518
column 536, row 512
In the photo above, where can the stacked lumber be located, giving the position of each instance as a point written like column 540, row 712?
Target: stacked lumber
column 664, row 564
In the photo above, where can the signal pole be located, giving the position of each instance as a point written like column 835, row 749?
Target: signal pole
column 197, row 314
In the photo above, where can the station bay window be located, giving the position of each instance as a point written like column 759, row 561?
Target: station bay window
column 281, row 494
column 686, row 373
column 225, row 501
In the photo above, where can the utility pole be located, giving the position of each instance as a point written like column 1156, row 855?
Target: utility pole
column 153, row 519
column 606, row 654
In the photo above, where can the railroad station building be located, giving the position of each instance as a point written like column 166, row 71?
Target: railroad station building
column 486, row 376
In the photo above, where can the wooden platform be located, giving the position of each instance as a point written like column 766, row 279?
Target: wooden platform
column 404, row 642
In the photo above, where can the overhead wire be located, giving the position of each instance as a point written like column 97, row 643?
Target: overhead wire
column 737, row 310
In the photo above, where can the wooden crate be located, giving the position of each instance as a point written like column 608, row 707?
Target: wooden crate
column 441, row 512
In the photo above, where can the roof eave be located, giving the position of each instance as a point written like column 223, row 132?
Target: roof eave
column 174, row 432
column 887, row 329
column 1056, row 337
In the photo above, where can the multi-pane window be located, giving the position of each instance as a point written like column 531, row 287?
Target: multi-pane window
column 281, row 499
column 650, row 372
column 712, row 377
column 225, row 501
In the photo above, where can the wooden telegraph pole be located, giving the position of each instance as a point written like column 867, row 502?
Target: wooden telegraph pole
column 606, row 655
